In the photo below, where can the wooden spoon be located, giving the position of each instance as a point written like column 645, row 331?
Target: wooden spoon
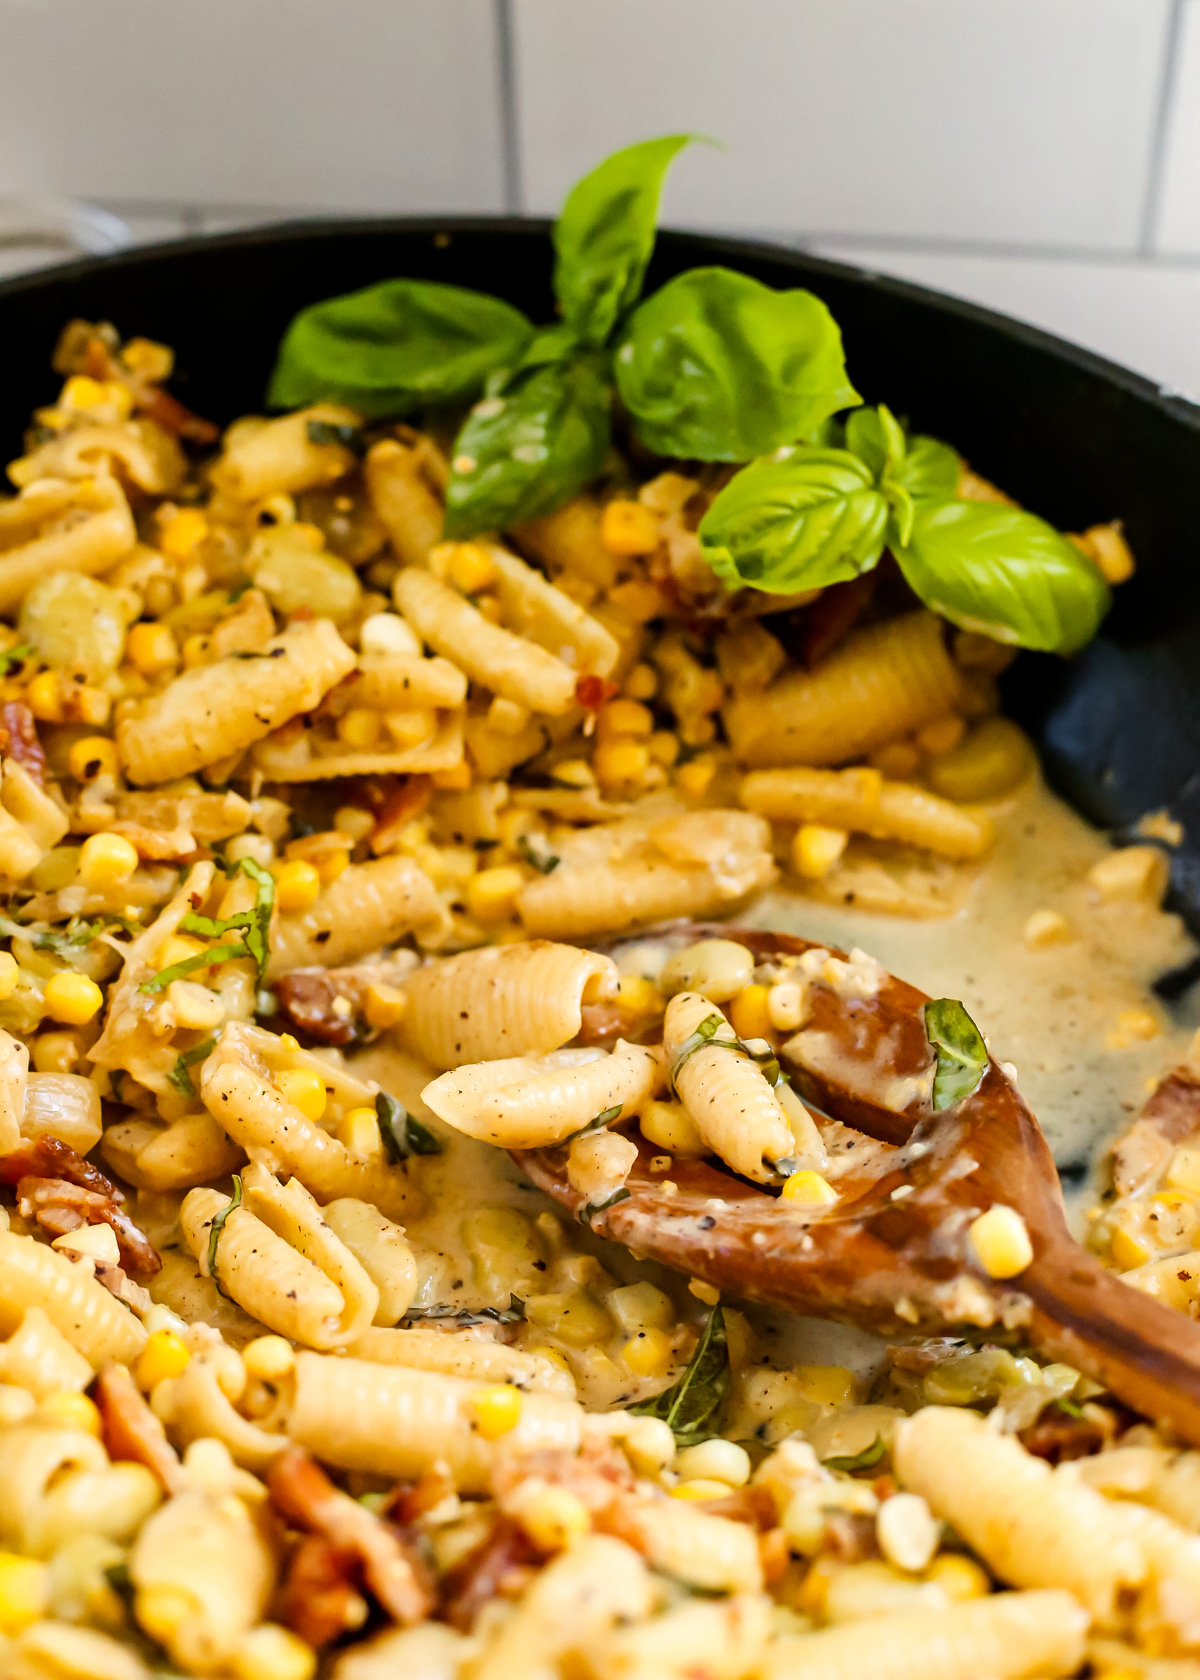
column 892, row 1254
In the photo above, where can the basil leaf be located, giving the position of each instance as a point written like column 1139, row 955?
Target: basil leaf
column 594, row 1125
column 858, row 1461
column 718, row 367
column 692, row 1405
column 1004, row 572
column 514, row 1313
column 14, row 656
column 530, row 446
column 202, row 959
column 180, row 1076
column 962, row 1056
column 929, row 469
column 217, row 1226
column 810, row 520
column 877, row 438
column 589, row 1209
column 604, row 235
column 538, row 855
column 395, row 347
column 402, row 1135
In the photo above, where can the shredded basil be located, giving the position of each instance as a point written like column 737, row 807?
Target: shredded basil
column 692, row 1405
column 757, row 1049
column 218, row 1225
column 322, row 432
column 604, row 1118
column 464, row 1317
column 179, row 1075
column 859, row 1461
column 962, row 1056
column 1071, row 1408
column 254, row 923
column 402, row 1135
column 76, row 934
column 589, row 1210
column 116, row 1082
column 14, row 656
column 544, row 861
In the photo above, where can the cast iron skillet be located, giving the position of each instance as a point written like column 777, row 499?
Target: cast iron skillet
column 1070, row 435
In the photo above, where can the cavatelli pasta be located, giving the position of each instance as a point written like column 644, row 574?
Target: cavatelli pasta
column 465, row 1355
column 722, row 1640
column 65, row 1106
column 599, row 1584
column 406, row 481
column 92, row 1320
column 727, row 1099
column 569, row 541
column 394, row 682
column 860, row 800
column 369, row 905
column 87, row 528
column 277, row 457
column 882, row 682
column 504, row 1000
column 536, row 609
column 215, row 712
column 195, row 1407
column 30, row 822
column 37, row 1356
column 14, row 1077
column 380, row 1248
column 191, row 1150
column 520, row 1103
column 146, row 454
column 708, row 1552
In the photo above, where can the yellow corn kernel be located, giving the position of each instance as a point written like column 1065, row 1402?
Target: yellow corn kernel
column 1046, row 927
column 825, row 1385
column 715, row 1460
column 700, row 1487
column 815, row 849
column 359, row 1131
column 492, row 893
column 1000, row 1241
column 304, row 1089
column 664, row 747
column 10, row 974
column 624, row 717
column 354, row 822
column 332, row 863
column 639, row 996
column 161, row 1611
column 92, row 756
column 454, row 780
column 898, row 760
column 268, row 1357
column 706, row 1292
column 639, row 601
column 67, row 1409
column 88, row 705
column 628, row 528
column 195, row 650
column 72, row 998
column 183, row 533
column 1184, row 1170
column 1133, row 873
column 297, row 885
column 359, row 727
column 44, row 697
column 471, row 567
column 177, row 948
column 648, row 1354
column 694, row 778
column 384, row 1005
column 151, row 360
column 669, row 1125
column 749, row 1013
column 1127, row 1250
column 574, row 772
column 959, row 1577
column 941, row 736
column 621, row 762
column 410, row 728
column 1133, row 1025
column 164, row 1355
column 553, row 1517
column 641, row 683
column 56, row 1052
column 152, row 649
column 105, row 860
column 809, row 1189
column 87, row 396
column 24, row 1592
column 496, row 1409
column 271, row 1652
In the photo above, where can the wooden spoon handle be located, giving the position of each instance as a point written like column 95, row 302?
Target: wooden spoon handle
column 1147, row 1354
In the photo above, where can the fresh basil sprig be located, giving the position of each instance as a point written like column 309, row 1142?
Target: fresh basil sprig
column 718, row 367
column 962, row 1056
column 865, row 1460
column 216, row 1228
column 180, row 1075
column 402, row 1135
column 692, row 1405
column 605, row 1117
column 254, row 925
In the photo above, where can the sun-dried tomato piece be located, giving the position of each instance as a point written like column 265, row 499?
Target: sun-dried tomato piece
column 502, row 1561
column 594, row 692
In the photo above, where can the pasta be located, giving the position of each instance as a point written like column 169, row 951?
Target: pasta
column 89, row 529
column 274, row 457
column 518, row 1103
column 405, row 479
column 366, row 906
column 726, row 1097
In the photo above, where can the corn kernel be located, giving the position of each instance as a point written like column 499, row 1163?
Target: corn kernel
column 359, row 727
column 1000, row 1241
column 809, row 1189
column 271, row 1652
column 161, row 1611
column 183, row 533
column 88, row 396
column 670, row 1126
column 359, row 1131
column 621, row 762
column 639, row 996
column 384, row 1006
column 496, row 1410
column 297, row 885
column 354, row 822
column 1046, row 927
column 717, row 1460
column 959, row 1577
column 152, row 649
column 700, row 1488
column 1106, row 546
column 941, row 736
column 410, row 728
column 151, row 360
column 706, row 1292
column 641, row 683
column 57, row 869
column 195, row 650
column 106, row 860
column 825, row 1385
column 92, row 756
column 907, row 1532
column 88, row 705
column 650, row 1446
column 454, row 780
column 492, row 893
column 663, row 747
column 268, row 1357
column 506, row 717
column 624, row 717
column 304, row 1089
column 67, row 1409
column 44, row 697
column 10, row 974
column 72, row 998
column 898, row 760
column 816, row 849
column 639, row 601
column 24, row 1592
column 56, row 1052
column 749, row 1013
column 1133, row 873
column 553, row 1517
column 1127, row 1250
column 694, row 778
column 627, row 528
column 1133, row 1025
column 1184, row 1170
column 471, row 567
column 177, row 948
column 648, row 1354
column 574, row 772
column 164, row 1355
column 332, row 863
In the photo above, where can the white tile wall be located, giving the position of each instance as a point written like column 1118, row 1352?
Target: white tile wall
column 1019, row 120
column 1178, row 219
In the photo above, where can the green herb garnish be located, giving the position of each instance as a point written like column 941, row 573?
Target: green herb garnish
column 859, row 1461
column 589, row 1210
column 544, row 861
column 464, row 1317
column 14, row 656
column 604, row 1118
column 217, row 1226
column 962, row 1056
column 179, row 1076
column 76, row 934
column 692, row 1405
column 1070, row 1407
column 402, row 1135
column 254, row 924
column 323, row 432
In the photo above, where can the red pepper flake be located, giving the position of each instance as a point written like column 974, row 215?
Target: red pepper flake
column 594, row 692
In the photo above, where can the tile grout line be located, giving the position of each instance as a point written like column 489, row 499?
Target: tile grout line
column 506, row 74
column 1156, row 164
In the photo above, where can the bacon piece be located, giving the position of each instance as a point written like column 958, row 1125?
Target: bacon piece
column 594, row 692
column 1058, row 1437
column 400, row 804
column 752, row 1505
column 409, row 1504
column 49, row 1157
column 60, row 1206
column 19, row 740
column 131, row 1430
column 309, row 1500
column 497, row 1568
column 169, row 413
column 123, row 1288
column 329, row 1004
column 319, row 1599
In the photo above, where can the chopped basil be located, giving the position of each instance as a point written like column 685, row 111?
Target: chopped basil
column 217, row 1226
column 14, row 656
column 589, row 1210
column 464, row 1317
column 179, row 1075
column 962, row 1056
column 692, row 1405
column 254, row 923
column 402, row 1135
column 859, row 1461
column 324, row 432
column 604, row 1118
column 538, row 855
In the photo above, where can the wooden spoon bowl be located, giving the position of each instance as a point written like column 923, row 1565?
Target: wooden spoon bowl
column 892, row 1254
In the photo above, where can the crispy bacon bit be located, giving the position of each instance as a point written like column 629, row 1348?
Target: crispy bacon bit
column 60, row 1206
column 19, row 740
column 409, row 1504
column 132, row 1431
column 775, row 1554
column 401, row 803
column 594, row 692
column 849, row 1537
column 328, row 1005
column 493, row 1570
column 603, row 1023
column 832, row 616
column 169, row 413
column 1057, row 1436
column 319, row 1600
column 753, row 1505
column 49, row 1157
column 309, row 1500
column 130, row 1294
